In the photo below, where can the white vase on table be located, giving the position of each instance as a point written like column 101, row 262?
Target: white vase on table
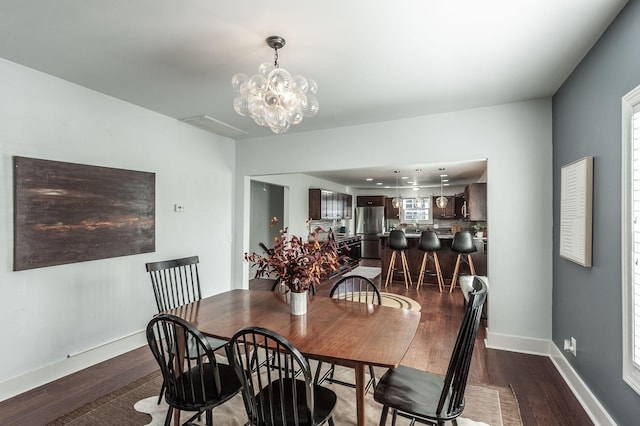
column 298, row 302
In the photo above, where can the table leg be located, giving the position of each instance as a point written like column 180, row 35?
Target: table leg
column 361, row 382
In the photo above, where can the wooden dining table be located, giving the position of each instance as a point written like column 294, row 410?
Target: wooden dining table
column 346, row 333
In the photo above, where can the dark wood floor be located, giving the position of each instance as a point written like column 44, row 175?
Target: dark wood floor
column 543, row 396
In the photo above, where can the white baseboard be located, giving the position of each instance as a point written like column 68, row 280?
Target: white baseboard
column 73, row 363
column 589, row 402
column 525, row 345
column 583, row 394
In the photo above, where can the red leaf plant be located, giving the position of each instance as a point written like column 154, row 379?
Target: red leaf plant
column 297, row 261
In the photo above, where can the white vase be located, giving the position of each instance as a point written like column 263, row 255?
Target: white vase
column 298, row 303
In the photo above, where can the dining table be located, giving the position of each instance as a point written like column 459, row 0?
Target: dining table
column 342, row 332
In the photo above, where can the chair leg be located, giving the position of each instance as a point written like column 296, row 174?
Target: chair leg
column 372, row 380
column 455, row 273
column 392, row 264
column 167, row 419
column 317, row 375
column 472, row 269
column 438, row 271
column 383, row 417
column 423, row 266
column 161, row 393
column 471, row 266
column 405, row 270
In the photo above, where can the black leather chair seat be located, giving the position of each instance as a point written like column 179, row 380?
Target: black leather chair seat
column 413, row 392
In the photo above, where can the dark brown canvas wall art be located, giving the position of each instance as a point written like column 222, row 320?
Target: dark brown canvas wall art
column 67, row 213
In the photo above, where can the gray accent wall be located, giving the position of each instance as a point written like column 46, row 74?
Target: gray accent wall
column 587, row 302
column 267, row 201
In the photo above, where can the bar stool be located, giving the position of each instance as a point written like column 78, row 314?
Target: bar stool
column 430, row 244
column 464, row 246
column 397, row 242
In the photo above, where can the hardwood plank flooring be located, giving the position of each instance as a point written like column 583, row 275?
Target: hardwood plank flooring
column 543, row 396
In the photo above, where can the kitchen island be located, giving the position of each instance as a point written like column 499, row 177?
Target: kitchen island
column 446, row 257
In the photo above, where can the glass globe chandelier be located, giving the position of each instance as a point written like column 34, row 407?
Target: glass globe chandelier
column 442, row 201
column 273, row 97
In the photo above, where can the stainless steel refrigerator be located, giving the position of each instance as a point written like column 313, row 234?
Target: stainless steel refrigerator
column 369, row 226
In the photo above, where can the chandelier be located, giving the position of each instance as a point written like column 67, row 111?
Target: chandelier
column 442, row 201
column 273, row 97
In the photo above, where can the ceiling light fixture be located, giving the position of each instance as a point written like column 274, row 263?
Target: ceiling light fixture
column 273, row 97
column 441, row 201
column 397, row 201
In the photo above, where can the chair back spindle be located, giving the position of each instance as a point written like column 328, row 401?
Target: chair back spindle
column 175, row 282
column 356, row 288
column 279, row 392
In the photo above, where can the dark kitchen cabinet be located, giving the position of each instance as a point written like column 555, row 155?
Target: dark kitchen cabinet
column 347, row 204
column 329, row 205
column 390, row 212
column 369, row 200
column 476, row 196
column 449, row 212
column 460, row 206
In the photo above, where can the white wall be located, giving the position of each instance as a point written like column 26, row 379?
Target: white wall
column 298, row 192
column 51, row 312
column 516, row 140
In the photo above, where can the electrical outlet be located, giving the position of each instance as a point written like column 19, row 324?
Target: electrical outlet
column 570, row 345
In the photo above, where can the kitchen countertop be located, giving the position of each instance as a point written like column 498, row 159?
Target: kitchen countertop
column 338, row 237
column 441, row 236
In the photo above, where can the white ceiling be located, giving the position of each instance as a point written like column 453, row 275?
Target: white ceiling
column 373, row 60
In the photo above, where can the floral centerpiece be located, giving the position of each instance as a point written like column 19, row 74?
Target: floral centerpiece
column 296, row 261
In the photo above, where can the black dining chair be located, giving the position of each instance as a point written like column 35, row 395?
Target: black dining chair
column 430, row 398
column 284, row 395
column 193, row 379
column 175, row 283
column 352, row 288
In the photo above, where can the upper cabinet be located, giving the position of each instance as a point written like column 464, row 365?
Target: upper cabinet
column 370, row 200
column 390, row 212
column 476, row 197
column 329, row 205
column 449, row 212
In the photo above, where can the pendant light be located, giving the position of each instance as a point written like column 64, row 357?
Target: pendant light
column 418, row 202
column 397, row 201
column 442, row 201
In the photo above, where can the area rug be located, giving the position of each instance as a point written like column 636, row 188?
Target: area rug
column 387, row 299
column 485, row 405
column 397, row 301
column 370, row 272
